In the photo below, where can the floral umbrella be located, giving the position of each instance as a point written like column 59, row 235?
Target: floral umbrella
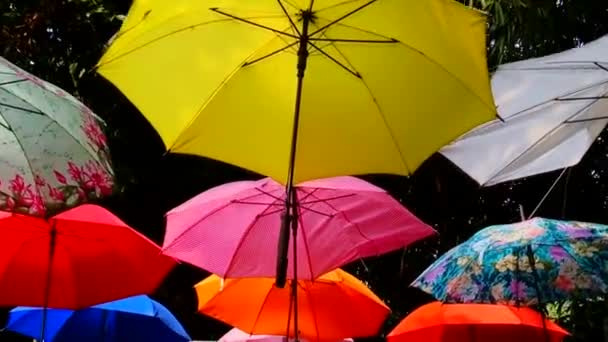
column 525, row 263
column 53, row 154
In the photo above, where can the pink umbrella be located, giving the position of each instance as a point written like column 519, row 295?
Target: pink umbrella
column 236, row 335
column 232, row 230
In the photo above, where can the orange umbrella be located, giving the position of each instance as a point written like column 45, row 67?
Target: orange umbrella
column 332, row 307
column 437, row 322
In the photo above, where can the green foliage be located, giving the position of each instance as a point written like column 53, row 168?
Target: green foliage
column 57, row 40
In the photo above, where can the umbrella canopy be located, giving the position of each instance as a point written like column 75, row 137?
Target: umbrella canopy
column 437, row 322
column 525, row 263
column 81, row 257
column 237, row 335
column 333, row 307
column 131, row 319
column 221, row 79
column 553, row 107
column 54, row 153
column 231, row 230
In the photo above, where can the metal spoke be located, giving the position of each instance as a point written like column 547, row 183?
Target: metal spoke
column 217, row 10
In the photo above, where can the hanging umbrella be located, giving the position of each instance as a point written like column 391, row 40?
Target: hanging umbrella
column 387, row 82
column 131, row 319
column 437, row 322
column 54, row 153
column 236, row 335
column 81, row 257
column 333, row 307
column 227, row 230
column 553, row 108
column 526, row 263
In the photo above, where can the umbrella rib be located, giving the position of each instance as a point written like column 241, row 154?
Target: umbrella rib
column 7, row 127
column 20, row 108
column 304, row 241
column 191, row 226
column 445, row 70
column 299, row 206
column 169, row 34
column 307, row 194
column 388, row 127
column 313, row 313
column 339, row 19
column 73, row 104
column 267, row 193
column 384, row 37
column 342, row 3
column 245, row 233
column 257, row 317
column 334, row 198
column 247, row 21
column 305, row 197
column 270, row 54
column 344, row 40
column 603, row 117
column 352, row 72
column 375, row 101
column 213, row 212
column 293, row 25
column 27, row 160
column 352, row 223
column 13, row 82
column 569, row 93
column 541, row 68
column 315, row 211
column 256, row 203
column 538, row 141
column 581, row 98
column 600, row 66
column 491, row 124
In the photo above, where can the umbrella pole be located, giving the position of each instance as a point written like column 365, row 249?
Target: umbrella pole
column 47, row 289
column 294, row 282
column 290, row 219
column 287, row 219
column 532, row 261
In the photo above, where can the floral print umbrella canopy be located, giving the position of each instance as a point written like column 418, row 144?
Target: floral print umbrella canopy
column 53, row 153
column 493, row 266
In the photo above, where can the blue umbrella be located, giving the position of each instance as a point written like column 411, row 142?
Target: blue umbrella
column 137, row 318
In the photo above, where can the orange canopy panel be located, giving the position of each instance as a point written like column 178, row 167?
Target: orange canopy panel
column 437, row 322
column 335, row 306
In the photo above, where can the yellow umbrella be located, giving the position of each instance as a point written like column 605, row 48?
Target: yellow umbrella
column 388, row 82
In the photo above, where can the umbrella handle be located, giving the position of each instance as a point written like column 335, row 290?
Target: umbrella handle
column 47, row 289
column 283, row 247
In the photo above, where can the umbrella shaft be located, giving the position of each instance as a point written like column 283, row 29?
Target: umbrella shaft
column 290, row 196
column 291, row 210
column 47, row 289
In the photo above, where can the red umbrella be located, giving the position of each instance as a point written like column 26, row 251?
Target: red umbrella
column 437, row 322
column 81, row 257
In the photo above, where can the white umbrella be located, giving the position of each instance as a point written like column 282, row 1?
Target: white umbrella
column 552, row 110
